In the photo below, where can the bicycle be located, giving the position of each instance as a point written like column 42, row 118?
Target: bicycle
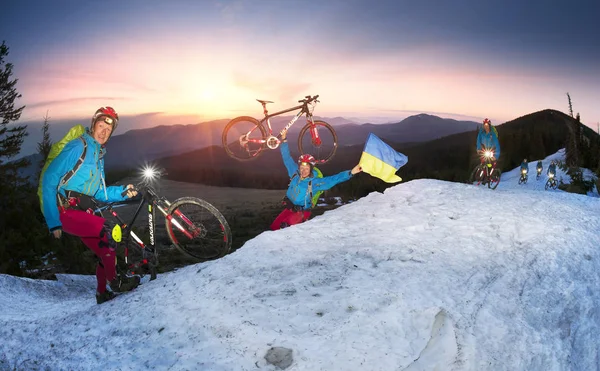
column 551, row 183
column 198, row 238
column 486, row 172
column 250, row 137
column 523, row 177
column 539, row 173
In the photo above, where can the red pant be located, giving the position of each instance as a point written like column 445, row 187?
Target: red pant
column 90, row 228
column 289, row 217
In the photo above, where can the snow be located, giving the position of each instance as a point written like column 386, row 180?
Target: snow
column 429, row 275
column 325, row 202
column 510, row 179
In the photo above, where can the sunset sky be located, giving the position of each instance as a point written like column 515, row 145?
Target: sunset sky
column 202, row 60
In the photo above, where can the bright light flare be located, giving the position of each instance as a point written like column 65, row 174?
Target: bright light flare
column 551, row 175
column 488, row 154
column 149, row 173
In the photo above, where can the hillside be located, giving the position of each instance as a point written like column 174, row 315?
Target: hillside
column 412, row 279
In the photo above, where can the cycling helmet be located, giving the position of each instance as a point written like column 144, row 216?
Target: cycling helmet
column 487, row 121
column 108, row 112
column 308, row 159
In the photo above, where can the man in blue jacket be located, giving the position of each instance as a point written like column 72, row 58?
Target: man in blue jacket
column 551, row 169
column 303, row 182
column 487, row 140
column 525, row 166
column 68, row 198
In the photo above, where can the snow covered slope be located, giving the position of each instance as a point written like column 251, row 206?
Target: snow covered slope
column 430, row 275
column 510, row 179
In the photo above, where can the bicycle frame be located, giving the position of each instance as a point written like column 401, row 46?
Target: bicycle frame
column 154, row 202
column 484, row 170
column 303, row 110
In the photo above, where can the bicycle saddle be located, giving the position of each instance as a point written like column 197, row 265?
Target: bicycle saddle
column 264, row 101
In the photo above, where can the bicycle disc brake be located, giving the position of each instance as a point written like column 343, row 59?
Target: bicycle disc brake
column 272, row 142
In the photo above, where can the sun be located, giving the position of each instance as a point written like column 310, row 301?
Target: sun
column 207, row 94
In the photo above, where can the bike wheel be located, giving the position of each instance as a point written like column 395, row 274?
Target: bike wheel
column 548, row 184
column 476, row 175
column 319, row 140
column 198, row 229
column 244, row 138
column 495, row 177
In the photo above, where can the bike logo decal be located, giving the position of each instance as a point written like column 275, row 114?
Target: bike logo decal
column 291, row 123
column 151, row 225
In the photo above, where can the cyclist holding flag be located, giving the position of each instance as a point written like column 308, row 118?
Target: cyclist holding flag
column 303, row 182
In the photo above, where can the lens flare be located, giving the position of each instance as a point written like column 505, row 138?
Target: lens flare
column 149, row 173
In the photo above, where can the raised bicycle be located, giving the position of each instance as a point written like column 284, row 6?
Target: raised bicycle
column 244, row 138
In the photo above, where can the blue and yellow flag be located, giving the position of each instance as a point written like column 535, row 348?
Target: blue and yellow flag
column 381, row 161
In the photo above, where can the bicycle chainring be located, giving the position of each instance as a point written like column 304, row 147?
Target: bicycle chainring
column 273, row 142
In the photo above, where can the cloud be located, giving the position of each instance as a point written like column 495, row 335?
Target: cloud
column 273, row 87
column 231, row 11
column 72, row 101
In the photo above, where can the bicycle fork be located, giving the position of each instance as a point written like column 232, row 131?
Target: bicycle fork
column 314, row 132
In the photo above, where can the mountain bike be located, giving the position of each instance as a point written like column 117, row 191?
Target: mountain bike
column 194, row 227
column 486, row 172
column 539, row 173
column 523, row 177
column 551, row 183
column 244, row 138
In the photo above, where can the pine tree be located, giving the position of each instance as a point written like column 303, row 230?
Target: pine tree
column 45, row 145
column 570, row 105
column 11, row 138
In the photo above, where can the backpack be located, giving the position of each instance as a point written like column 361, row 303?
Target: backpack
column 73, row 133
column 314, row 197
column 492, row 129
column 495, row 131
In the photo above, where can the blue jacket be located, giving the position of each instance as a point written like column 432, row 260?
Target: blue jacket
column 551, row 169
column 488, row 140
column 525, row 166
column 539, row 165
column 88, row 180
column 297, row 191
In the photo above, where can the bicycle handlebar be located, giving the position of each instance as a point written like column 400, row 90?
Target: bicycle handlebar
column 139, row 188
column 309, row 99
column 150, row 174
column 124, row 193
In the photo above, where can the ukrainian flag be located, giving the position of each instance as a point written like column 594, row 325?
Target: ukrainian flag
column 381, row 161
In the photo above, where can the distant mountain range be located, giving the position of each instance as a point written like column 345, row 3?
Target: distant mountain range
column 420, row 137
column 137, row 147
column 452, row 157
